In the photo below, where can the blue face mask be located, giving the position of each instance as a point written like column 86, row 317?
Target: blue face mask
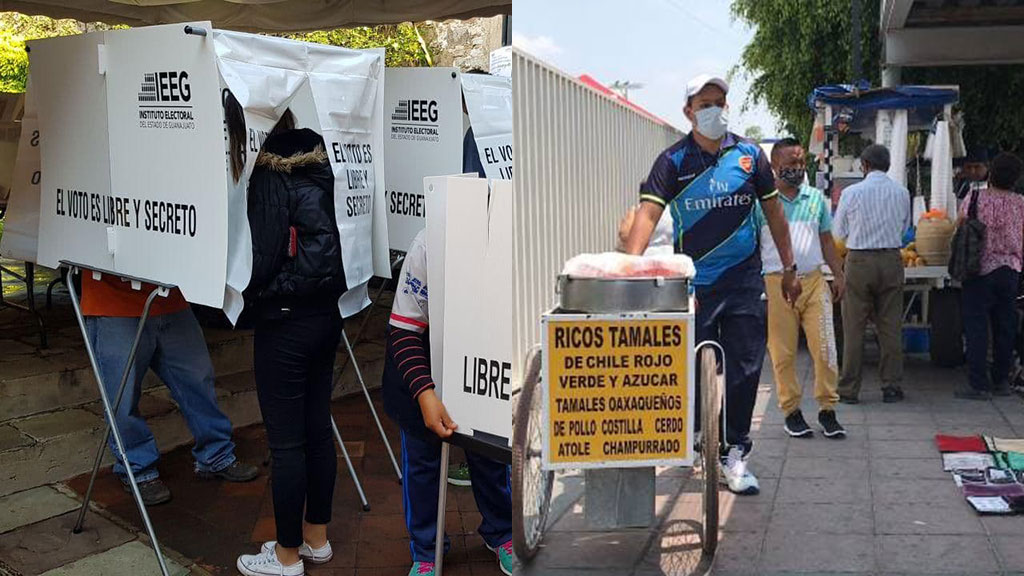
column 712, row 122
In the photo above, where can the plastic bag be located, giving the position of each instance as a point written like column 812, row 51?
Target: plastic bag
column 619, row 265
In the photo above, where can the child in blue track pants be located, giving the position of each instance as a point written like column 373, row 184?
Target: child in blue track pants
column 410, row 400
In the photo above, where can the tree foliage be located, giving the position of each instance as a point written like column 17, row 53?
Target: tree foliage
column 798, row 46
column 16, row 29
column 404, row 43
column 755, row 133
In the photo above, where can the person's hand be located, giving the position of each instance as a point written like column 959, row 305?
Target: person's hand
column 838, row 287
column 435, row 415
column 625, row 225
column 791, row 287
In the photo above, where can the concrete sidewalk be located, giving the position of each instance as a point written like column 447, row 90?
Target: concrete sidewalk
column 877, row 502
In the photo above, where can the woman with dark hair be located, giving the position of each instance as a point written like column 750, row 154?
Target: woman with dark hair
column 988, row 298
column 297, row 278
column 234, row 120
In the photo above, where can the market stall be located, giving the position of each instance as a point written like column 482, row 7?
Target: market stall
column 922, row 132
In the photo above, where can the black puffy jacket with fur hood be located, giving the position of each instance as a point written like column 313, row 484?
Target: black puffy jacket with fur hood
column 292, row 187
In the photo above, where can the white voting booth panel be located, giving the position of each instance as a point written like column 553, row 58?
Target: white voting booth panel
column 472, row 349
column 137, row 183
column 423, row 137
column 489, row 103
column 337, row 92
column 134, row 184
column 20, row 240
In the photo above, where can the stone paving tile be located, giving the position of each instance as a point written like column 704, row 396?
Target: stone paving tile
column 902, row 449
column 30, row 506
column 809, row 552
column 39, row 547
column 834, row 468
column 1003, row 525
column 939, row 493
column 853, row 446
column 824, row 490
column 904, row 418
column 909, row 469
column 11, row 438
column 738, row 553
column 132, row 559
column 927, row 518
column 621, row 550
column 1011, row 551
column 899, row 432
column 54, row 424
column 931, row 554
column 822, row 518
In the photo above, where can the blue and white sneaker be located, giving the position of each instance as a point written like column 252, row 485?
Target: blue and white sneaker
column 736, row 475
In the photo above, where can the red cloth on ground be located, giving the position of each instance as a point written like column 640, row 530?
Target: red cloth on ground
column 960, row 443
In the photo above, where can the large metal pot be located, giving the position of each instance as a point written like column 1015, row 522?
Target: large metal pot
column 617, row 295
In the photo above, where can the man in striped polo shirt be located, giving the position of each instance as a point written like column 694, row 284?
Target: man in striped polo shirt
column 810, row 232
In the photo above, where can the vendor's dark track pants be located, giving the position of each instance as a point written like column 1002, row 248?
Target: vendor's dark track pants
column 421, row 474
column 736, row 319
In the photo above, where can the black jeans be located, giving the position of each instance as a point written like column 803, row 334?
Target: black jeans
column 990, row 298
column 293, row 367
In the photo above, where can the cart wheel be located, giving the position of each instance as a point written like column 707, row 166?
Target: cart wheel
column 531, row 486
column 711, row 406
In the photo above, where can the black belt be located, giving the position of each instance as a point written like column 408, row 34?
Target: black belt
column 874, row 249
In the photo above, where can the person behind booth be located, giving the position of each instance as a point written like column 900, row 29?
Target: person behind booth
column 410, row 400
column 173, row 346
column 974, row 173
column 710, row 181
column 297, row 279
column 989, row 298
column 471, row 162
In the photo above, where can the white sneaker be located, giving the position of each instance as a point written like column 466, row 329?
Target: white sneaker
column 735, row 473
column 306, row 552
column 266, row 564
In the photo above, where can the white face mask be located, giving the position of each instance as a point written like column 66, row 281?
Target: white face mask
column 712, row 122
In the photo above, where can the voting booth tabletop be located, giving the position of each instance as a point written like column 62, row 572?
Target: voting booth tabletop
column 211, row 522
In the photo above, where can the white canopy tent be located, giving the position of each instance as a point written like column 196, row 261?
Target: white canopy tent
column 260, row 15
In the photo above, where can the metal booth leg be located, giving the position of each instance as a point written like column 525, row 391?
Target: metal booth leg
column 111, row 423
column 442, row 503
column 369, row 402
column 117, row 403
column 351, row 468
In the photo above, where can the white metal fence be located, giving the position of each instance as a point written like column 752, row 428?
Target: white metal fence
column 581, row 158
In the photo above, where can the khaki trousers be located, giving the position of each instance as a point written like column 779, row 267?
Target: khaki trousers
column 874, row 287
column 813, row 312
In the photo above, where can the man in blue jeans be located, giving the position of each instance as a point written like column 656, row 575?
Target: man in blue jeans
column 710, row 181
column 172, row 344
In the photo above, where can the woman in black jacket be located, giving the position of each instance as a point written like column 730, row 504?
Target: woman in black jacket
column 297, row 278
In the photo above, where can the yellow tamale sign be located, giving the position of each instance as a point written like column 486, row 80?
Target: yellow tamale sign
column 619, row 390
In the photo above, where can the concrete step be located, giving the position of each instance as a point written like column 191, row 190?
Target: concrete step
column 49, row 446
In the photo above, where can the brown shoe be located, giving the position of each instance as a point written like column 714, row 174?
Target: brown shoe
column 154, row 492
column 238, row 471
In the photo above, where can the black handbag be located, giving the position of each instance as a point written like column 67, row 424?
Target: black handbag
column 968, row 243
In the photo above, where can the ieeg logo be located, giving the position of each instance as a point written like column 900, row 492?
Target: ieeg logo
column 164, row 101
column 165, row 87
column 415, row 111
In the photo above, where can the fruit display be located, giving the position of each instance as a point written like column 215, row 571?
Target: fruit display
column 934, row 235
column 911, row 259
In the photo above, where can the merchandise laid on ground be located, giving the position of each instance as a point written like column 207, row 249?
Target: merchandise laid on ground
column 989, row 471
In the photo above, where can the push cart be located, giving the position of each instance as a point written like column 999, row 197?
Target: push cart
column 611, row 386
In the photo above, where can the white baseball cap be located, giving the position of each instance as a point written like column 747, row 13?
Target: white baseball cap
column 698, row 83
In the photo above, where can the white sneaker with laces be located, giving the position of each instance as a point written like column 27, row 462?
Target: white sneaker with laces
column 736, row 475
column 321, row 555
column 266, row 564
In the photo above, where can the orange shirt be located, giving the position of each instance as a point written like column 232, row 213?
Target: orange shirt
column 111, row 296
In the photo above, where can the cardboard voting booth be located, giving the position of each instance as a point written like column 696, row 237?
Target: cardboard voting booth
column 423, row 137
column 137, row 182
column 489, row 103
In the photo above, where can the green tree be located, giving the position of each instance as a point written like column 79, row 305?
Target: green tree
column 798, row 46
column 16, row 29
column 754, row 133
column 405, row 43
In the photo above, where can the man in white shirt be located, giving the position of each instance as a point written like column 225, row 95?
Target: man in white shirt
column 810, row 229
column 873, row 216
